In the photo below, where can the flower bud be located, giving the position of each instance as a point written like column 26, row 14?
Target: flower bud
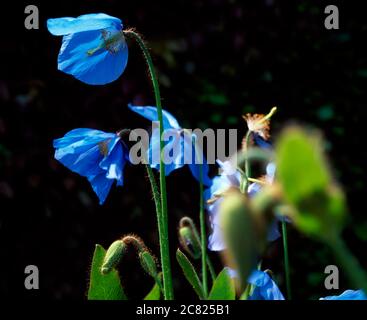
column 113, row 256
column 243, row 234
column 189, row 238
column 148, row 263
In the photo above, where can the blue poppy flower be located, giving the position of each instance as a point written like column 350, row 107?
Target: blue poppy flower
column 176, row 138
column 348, row 295
column 230, row 178
column 93, row 48
column 94, row 154
column 264, row 287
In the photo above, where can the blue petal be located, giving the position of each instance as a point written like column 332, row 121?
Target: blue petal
column 115, row 161
column 87, row 22
column 84, row 135
column 151, row 113
column 348, row 295
column 261, row 142
column 195, row 162
column 98, row 68
column 265, row 287
column 101, row 186
column 258, row 278
column 94, row 154
column 79, row 150
column 215, row 240
column 154, row 151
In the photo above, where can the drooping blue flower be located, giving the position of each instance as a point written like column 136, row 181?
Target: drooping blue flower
column 264, row 287
column 348, row 295
column 176, row 139
column 230, row 178
column 94, row 154
column 93, row 48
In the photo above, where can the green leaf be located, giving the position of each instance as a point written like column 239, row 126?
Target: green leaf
column 223, row 287
column 154, row 294
column 301, row 167
column 190, row 273
column 104, row 287
column 307, row 184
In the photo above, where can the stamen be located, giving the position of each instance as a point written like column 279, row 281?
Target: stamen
column 110, row 42
column 103, row 147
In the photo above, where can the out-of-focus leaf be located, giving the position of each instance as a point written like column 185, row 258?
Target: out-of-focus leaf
column 104, row 287
column 301, row 167
column 306, row 183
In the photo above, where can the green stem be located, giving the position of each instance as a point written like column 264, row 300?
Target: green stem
column 349, row 263
column 203, row 235
column 286, row 260
column 213, row 275
column 156, row 195
column 247, row 162
column 163, row 217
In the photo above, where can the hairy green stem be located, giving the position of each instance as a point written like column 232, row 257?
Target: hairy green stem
column 163, row 217
column 286, row 260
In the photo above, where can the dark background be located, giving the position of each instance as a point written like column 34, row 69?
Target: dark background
column 216, row 60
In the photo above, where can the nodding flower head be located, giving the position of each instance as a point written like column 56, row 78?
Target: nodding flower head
column 259, row 123
column 93, row 48
column 179, row 142
column 94, row 154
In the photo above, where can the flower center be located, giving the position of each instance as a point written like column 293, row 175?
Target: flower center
column 103, row 147
column 113, row 42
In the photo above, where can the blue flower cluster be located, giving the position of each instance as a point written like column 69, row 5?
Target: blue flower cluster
column 95, row 52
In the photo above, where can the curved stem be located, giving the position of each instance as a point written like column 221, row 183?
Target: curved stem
column 163, row 218
column 286, row 260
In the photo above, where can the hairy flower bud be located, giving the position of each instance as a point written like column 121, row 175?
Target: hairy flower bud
column 113, row 256
column 189, row 238
column 148, row 263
